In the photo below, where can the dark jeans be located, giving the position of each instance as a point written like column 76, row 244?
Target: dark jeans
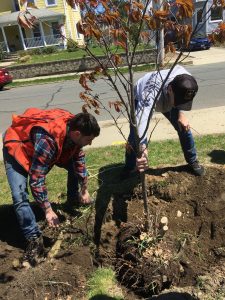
column 18, row 179
column 185, row 137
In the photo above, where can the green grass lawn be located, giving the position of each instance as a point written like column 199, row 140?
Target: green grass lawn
column 104, row 165
column 79, row 53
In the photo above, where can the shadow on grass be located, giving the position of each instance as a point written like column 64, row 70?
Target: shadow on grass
column 217, row 156
column 112, row 189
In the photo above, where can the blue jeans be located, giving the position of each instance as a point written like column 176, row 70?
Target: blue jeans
column 18, row 179
column 185, row 137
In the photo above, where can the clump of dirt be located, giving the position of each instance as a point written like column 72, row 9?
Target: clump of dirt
column 187, row 260
column 191, row 251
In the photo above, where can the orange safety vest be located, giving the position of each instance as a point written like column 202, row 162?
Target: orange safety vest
column 17, row 137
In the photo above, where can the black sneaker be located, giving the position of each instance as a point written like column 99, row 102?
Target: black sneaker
column 35, row 251
column 197, row 169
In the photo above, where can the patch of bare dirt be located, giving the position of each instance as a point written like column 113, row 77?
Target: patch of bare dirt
column 187, row 261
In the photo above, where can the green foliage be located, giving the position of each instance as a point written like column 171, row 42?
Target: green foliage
column 72, row 45
column 103, row 282
column 43, row 50
column 2, row 53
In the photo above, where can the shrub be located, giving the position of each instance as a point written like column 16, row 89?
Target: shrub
column 42, row 50
column 2, row 53
column 22, row 53
column 72, row 45
column 24, row 58
column 35, row 51
column 49, row 50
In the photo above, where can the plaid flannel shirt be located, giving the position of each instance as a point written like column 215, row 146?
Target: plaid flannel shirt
column 45, row 151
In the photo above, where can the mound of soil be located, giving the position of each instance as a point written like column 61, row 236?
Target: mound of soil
column 184, row 262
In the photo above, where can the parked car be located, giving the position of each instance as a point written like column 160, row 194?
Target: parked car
column 196, row 43
column 5, row 78
column 199, row 43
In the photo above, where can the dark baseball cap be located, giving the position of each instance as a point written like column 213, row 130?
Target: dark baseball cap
column 184, row 87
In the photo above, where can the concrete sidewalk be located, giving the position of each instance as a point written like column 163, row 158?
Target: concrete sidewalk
column 203, row 121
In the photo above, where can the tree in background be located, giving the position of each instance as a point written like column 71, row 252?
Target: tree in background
column 120, row 28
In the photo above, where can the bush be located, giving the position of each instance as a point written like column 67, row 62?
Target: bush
column 42, row 50
column 2, row 53
column 24, row 58
column 23, row 53
column 72, row 45
column 49, row 50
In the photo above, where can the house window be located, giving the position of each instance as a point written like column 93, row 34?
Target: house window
column 37, row 31
column 199, row 16
column 50, row 2
column 216, row 14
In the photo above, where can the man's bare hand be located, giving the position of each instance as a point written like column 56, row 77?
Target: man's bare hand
column 142, row 162
column 85, row 197
column 52, row 218
column 183, row 122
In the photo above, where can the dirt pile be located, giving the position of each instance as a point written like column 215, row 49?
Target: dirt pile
column 187, row 260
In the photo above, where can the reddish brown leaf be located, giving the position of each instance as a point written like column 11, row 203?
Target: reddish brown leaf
column 135, row 16
column 84, row 108
column 116, row 104
column 80, row 28
column 83, row 81
column 117, row 59
column 96, row 33
column 138, row 5
column 104, row 3
column 121, row 44
column 161, row 15
column 185, row 8
column 97, row 112
column 26, row 20
column 98, row 70
column 72, row 3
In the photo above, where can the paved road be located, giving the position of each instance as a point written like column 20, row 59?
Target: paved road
column 211, row 79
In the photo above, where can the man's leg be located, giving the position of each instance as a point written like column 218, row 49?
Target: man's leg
column 17, row 178
column 187, row 143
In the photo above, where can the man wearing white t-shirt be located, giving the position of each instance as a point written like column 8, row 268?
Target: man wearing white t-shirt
column 176, row 96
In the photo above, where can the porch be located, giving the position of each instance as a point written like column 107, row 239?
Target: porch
column 48, row 31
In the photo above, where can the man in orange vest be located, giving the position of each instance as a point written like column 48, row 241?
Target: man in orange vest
column 35, row 142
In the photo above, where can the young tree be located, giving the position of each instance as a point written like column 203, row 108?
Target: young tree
column 120, row 28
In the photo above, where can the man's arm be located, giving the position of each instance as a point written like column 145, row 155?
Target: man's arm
column 44, row 154
column 81, row 171
column 183, row 121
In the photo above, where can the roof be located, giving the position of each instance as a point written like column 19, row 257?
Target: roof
column 41, row 14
